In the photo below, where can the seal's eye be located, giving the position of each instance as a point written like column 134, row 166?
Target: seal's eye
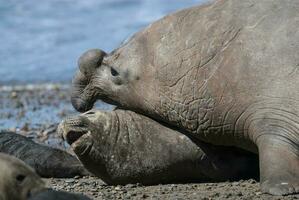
column 113, row 72
column 20, row 177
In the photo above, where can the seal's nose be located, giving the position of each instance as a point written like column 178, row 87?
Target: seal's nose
column 90, row 61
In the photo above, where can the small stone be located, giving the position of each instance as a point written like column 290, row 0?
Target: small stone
column 209, row 188
column 14, row 95
column 117, row 188
column 216, row 194
column 130, row 186
column 252, row 181
column 77, row 185
column 235, row 183
column 93, row 190
column 228, row 195
column 71, row 180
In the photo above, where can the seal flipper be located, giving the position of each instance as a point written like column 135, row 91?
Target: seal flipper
column 279, row 166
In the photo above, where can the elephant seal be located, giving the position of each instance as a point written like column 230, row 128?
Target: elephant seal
column 226, row 73
column 49, row 194
column 17, row 180
column 47, row 161
column 124, row 147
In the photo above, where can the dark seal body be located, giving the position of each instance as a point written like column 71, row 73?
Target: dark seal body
column 47, row 161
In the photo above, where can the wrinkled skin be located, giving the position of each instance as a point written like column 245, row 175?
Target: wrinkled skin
column 226, row 73
column 17, row 180
column 123, row 147
column 47, row 161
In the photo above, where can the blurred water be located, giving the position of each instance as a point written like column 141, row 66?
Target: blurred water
column 40, row 41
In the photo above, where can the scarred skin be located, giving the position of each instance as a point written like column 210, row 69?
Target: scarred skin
column 124, row 147
column 226, row 73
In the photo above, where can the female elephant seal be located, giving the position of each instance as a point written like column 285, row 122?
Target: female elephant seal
column 124, row 147
column 226, row 73
column 17, row 180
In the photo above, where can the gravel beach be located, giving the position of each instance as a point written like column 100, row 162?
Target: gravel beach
column 35, row 111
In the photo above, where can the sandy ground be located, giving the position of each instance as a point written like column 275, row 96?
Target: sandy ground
column 94, row 188
column 35, row 111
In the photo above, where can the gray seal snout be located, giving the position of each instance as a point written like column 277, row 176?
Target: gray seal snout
column 82, row 96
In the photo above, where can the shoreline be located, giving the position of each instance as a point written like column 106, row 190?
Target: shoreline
column 32, row 86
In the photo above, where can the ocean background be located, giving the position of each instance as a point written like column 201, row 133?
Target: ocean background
column 40, row 41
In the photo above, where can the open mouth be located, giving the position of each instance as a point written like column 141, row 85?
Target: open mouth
column 73, row 136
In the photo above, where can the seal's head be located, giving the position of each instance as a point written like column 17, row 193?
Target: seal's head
column 121, row 78
column 96, row 79
column 86, row 133
column 17, row 180
column 77, row 132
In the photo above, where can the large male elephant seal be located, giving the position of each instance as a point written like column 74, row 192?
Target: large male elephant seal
column 226, row 73
column 17, row 180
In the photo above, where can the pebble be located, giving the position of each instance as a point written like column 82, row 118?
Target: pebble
column 117, row 188
column 130, row 186
column 252, row 181
column 14, row 95
column 235, row 184
column 70, row 180
column 239, row 194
